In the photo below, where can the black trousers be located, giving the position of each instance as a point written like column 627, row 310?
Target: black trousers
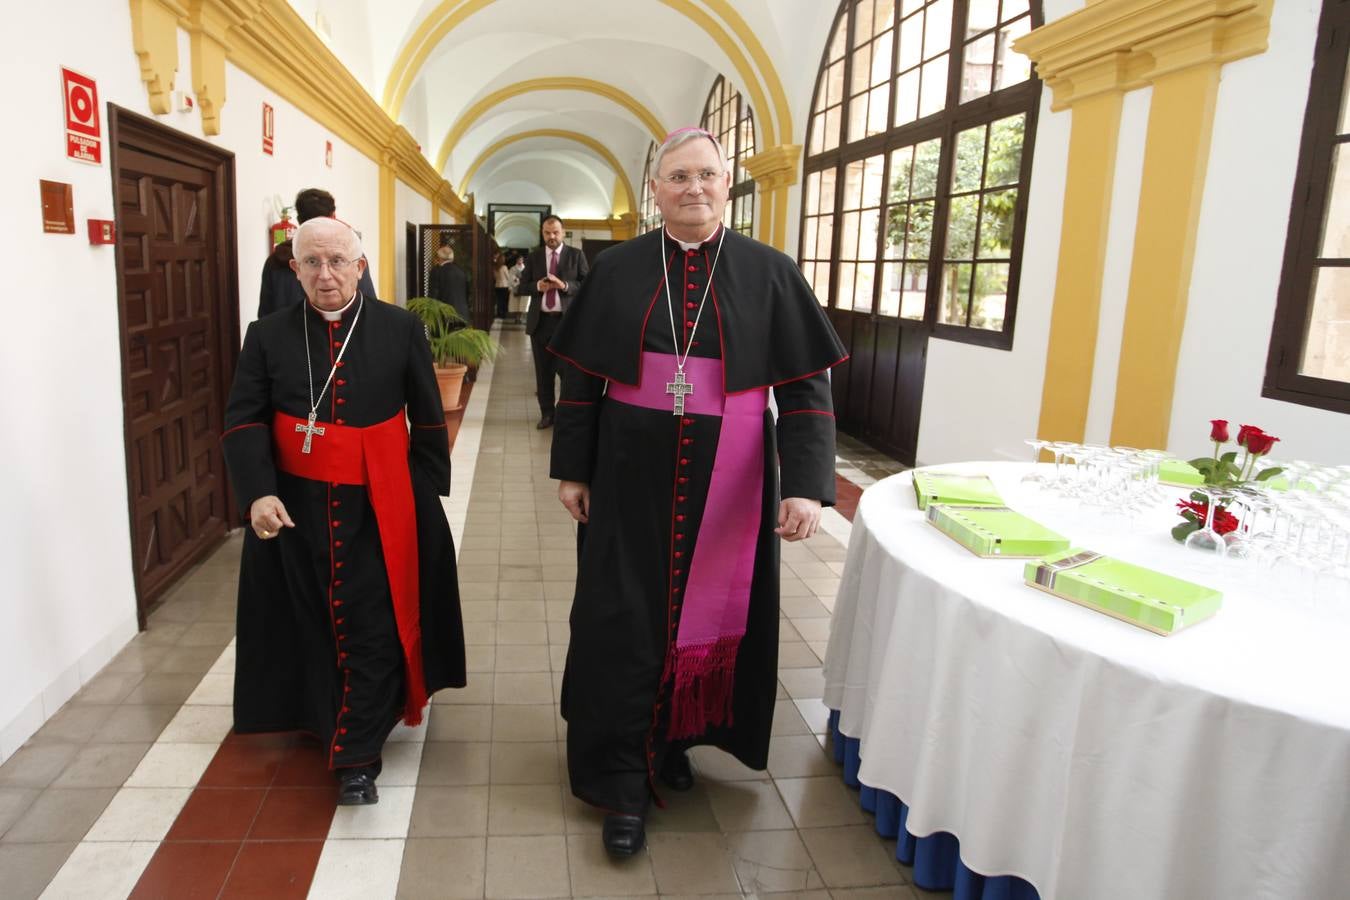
column 546, row 365
column 503, row 301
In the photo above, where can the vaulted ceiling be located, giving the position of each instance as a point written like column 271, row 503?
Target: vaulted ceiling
column 525, row 101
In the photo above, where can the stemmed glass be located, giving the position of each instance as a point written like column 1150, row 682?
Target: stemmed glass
column 1206, row 539
column 1035, row 478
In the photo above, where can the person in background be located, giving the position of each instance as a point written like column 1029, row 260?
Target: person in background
column 280, row 286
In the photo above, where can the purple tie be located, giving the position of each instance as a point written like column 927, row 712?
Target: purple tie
column 551, row 296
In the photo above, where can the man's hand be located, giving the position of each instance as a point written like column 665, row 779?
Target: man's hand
column 268, row 516
column 576, row 496
column 798, row 519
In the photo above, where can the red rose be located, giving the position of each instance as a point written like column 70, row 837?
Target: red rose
column 1224, row 521
column 1245, row 432
column 1218, row 430
column 1259, row 444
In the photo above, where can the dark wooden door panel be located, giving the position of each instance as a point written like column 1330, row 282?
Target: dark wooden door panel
column 878, row 393
column 843, row 326
column 903, row 434
column 860, row 376
column 880, row 406
column 178, row 313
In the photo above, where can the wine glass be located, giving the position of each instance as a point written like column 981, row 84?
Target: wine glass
column 1206, row 539
column 1035, row 478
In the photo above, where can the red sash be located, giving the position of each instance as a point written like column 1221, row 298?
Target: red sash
column 377, row 457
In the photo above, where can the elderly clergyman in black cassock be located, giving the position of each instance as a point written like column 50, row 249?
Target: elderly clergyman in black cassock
column 669, row 456
column 336, row 444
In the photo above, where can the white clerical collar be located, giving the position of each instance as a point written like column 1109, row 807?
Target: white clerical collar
column 332, row 315
column 693, row 245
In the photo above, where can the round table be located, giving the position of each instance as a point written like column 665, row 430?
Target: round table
column 1088, row 756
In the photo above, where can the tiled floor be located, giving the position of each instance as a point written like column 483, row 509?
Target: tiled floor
column 136, row 788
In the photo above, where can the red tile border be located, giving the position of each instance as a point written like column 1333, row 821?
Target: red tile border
column 217, row 814
column 277, row 870
column 295, row 814
column 179, row 871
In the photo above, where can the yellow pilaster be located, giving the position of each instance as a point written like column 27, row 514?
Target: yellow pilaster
column 388, row 228
column 154, row 36
column 1069, row 357
column 1088, row 59
column 1180, row 122
column 774, row 171
column 435, row 212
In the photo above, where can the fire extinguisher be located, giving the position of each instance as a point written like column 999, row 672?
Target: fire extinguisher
column 283, row 230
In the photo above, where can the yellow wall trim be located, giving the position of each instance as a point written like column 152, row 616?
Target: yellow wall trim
column 1069, row 358
column 622, row 183
column 1143, row 39
column 388, row 174
column 208, row 25
column 154, row 37
column 774, row 170
column 585, row 85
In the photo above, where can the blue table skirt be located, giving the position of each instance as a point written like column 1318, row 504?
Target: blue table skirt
column 937, row 858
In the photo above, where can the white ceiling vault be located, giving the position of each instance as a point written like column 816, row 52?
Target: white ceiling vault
column 526, row 101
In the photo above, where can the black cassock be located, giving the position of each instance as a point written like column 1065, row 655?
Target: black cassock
column 318, row 647
column 763, row 322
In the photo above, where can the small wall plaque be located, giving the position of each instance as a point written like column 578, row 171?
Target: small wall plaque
column 58, row 207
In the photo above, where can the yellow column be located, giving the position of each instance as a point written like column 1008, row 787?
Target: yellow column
column 1180, row 122
column 388, row 227
column 435, row 212
column 774, row 171
column 1082, row 256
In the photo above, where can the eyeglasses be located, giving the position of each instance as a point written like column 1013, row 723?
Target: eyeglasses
column 680, row 179
column 336, row 264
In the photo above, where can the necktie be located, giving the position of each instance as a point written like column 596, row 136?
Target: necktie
column 551, row 297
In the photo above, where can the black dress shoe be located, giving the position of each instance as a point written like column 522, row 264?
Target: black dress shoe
column 675, row 771
column 545, row 422
column 623, row 835
column 357, row 789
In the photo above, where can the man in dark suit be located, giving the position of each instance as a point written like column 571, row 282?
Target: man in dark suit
column 448, row 283
column 280, row 287
column 552, row 276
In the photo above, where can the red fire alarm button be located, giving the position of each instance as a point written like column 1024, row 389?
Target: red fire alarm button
column 102, row 231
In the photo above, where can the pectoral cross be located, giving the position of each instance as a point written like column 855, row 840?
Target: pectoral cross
column 311, row 429
column 679, row 388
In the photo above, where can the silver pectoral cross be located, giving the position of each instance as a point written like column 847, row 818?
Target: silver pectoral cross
column 679, row 388
column 311, row 429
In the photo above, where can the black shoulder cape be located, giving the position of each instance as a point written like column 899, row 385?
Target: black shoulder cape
column 773, row 329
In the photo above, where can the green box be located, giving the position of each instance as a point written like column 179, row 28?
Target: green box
column 995, row 531
column 947, row 487
column 1152, row 600
column 1180, row 473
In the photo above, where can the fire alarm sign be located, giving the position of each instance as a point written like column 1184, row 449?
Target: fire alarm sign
column 84, row 136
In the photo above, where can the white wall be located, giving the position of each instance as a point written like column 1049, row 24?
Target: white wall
column 409, row 206
column 65, row 543
column 1244, row 220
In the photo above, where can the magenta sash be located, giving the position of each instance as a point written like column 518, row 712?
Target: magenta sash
column 717, row 591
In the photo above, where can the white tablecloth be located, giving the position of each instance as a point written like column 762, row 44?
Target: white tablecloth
column 1088, row 756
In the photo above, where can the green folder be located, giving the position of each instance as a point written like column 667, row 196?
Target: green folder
column 994, row 531
column 1182, row 474
column 1160, row 603
column 946, row 487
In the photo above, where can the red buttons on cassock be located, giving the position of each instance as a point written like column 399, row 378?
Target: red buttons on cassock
column 694, row 344
column 337, row 749
column 679, row 537
column 337, row 582
column 337, row 543
column 690, row 305
column 689, row 323
column 336, row 504
column 341, row 363
column 346, row 709
column 683, row 480
column 686, row 421
column 684, row 462
column 337, row 603
column 690, row 252
column 342, row 731
column 339, row 621
column 337, row 565
column 342, row 656
column 341, row 400
column 679, row 518
column 681, row 498
column 692, row 286
column 693, row 268
column 678, row 572
column 346, row 689
column 337, row 344
column 337, row 522
column 341, row 637
column 675, row 590
column 679, row 553
column 341, row 382
column 341, row 422
column 686, row 441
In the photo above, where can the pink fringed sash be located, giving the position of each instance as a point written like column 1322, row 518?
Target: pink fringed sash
column 717, row 592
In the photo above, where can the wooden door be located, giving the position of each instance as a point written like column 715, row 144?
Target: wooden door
column 179, row 311
column 878, row 393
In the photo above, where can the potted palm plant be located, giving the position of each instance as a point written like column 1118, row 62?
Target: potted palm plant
column 454, row 345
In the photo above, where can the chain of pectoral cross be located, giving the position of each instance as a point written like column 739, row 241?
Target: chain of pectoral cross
column 309, row 428
column 680, row 387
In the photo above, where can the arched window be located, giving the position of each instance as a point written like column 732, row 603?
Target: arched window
column 649, row 215
column 916, row 175
column 728, row 116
